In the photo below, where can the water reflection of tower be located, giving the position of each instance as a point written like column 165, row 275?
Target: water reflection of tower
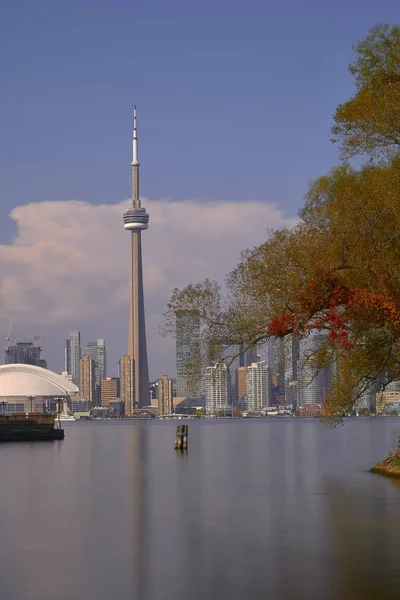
column 136, row 220
column 136, row 448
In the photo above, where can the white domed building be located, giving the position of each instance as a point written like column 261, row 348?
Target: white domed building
column 27, row 388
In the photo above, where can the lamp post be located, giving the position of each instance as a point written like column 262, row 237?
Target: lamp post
column 58, row 409
column 31, row 399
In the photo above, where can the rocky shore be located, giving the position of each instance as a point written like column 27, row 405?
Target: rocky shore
column 389, row 467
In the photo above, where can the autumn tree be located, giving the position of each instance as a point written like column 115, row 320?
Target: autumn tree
column 338, row 270
column 369, row 123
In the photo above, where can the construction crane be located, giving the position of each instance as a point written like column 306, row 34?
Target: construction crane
column 8, row 336
column 35, row 338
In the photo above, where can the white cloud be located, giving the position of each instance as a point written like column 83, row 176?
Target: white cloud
column 68, row 266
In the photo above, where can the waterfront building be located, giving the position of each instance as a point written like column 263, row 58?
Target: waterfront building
column 24, row 353
column 384, row 398
column 87, row 380
column 257, row 386
column 188, row 360
column 392, row 386
column 164, row 396
column 80, row 406
column 154, row 390
column 29, row 388
column 109, row 390
column 73, row 355
column 116, row 408
column 217, row 388
column 190, row 406
column 136, row 220
column 126, row 380
column 97, row 352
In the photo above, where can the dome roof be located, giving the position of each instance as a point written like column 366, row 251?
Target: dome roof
column 28, row 380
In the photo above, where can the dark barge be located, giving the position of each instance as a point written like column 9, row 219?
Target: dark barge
column 29, row 427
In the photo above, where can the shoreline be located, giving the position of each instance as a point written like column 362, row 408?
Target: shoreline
column 390, row 467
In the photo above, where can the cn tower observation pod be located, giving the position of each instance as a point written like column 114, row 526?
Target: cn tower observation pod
column 136, row 218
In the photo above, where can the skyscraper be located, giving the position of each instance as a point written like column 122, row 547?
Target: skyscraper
column 164, row 396
column 109, row 390
column 257, row 386
column 73, row 355
column 87, row 387
column 235, row 358
column 314, row 381
column 24, row 353
column 136, row 219
column 217, row 388
column 241, row 385
column 290, row 357
column 276, row 369
column 188, row 367
column 126, row 381
column 97, row 352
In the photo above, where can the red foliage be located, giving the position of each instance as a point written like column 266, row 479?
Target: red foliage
column 281, row 325
column 327, row 303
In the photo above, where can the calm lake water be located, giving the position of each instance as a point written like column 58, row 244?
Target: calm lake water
column 257, row 509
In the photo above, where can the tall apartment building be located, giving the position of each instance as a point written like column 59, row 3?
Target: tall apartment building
column 234, row 358
column 257, row 386
column 217, row 388
column 283, row 362
column 188, row 355
column 165, row 396
column 109, row 390
column 87, row 386
column 276, row 371
column 242, row 374
column 126, row 382
column 313, row 381
column 97, row 352
column 291, row 346
column 73, row 355
column 25, row 353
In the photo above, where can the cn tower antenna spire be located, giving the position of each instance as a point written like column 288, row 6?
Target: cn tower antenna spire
column 135, row 164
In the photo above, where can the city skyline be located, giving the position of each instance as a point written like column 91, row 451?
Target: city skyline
column 288, row 375
column 63, row 259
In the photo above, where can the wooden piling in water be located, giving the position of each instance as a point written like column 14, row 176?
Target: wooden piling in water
column 181, row 437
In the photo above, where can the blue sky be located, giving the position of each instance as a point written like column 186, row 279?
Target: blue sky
column 235, row 99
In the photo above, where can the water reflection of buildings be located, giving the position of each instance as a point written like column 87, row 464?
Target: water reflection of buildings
column 364, row 542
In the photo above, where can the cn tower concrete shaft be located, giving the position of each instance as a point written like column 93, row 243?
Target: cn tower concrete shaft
column 136, row 220
column 137, row 346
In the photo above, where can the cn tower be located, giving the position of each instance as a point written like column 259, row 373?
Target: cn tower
column 136, row 219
